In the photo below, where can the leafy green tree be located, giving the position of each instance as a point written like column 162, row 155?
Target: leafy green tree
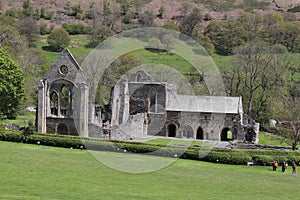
column 291, row 36
column 91, row 14
column 128, row 18
column 273, row 25
column 226, row 35
column 27, row 8
column 251, row 24
column 204, row 41
column 44, row 29
column 58, row 39
column 190, row 21
column 11, row 40
column 125, row 6
column 11, row 86
column 99, row 34
column 76, row 10
column 106, row 8
column 171, row 25
column 161, row 12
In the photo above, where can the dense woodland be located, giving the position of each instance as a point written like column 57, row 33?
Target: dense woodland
column 259, row 50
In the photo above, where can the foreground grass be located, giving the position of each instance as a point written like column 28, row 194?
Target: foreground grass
column 40, row 172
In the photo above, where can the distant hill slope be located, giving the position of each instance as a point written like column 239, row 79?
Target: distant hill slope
column 218, row 9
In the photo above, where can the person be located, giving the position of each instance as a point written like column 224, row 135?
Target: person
column 283, row 166
column 275, row 165
column 294, row 166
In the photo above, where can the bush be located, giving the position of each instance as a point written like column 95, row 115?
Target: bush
column 75, row 29
column 294, row 9
column 11, row 136
column 264, row 160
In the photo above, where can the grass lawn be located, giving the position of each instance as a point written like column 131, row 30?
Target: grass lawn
column 22, row 119
column 271, row 139
column 77, row 48
column 41, row 172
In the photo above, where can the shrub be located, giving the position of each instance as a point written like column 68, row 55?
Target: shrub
column 74, row 29
column 265, row 160
column 11, row 136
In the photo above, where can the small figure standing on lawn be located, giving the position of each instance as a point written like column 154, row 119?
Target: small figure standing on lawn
column 283, row 167
column 294, row 166
column 275, row 165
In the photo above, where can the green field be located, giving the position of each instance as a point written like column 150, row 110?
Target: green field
column 21, row 120
column 41, row 172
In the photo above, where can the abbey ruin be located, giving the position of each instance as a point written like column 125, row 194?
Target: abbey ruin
column 140, row 106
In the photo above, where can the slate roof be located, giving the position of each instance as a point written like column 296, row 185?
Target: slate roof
column 207, row 104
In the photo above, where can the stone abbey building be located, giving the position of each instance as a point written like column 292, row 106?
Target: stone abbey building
column 140, row 106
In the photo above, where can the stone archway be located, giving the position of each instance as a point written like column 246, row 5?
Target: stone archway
column 226, row 134
column 188, row 132
column 172, row 130
column 62, row 129
column 250, row 135
column 199, row 135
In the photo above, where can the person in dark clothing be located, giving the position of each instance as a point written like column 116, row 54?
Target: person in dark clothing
column 283, row 167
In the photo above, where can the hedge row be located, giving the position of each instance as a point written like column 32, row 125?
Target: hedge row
column 226, row 156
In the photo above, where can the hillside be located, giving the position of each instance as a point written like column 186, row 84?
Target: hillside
column 218, row 10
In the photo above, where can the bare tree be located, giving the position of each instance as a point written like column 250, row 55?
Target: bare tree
column 288, row 114
column 255, row 74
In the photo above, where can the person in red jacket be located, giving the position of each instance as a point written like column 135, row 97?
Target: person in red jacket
column 294, row 166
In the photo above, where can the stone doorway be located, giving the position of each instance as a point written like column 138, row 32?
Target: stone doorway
column 172, row 130
column 199, row 134
column 62, row 129
column 226, row 134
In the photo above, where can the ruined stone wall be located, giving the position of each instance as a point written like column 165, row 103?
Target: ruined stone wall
column 139, row 97
column 52, row 125
column 211, row 124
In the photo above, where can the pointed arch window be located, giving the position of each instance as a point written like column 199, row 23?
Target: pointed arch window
column 54, row 103
column 153, row 100
column 64, row 100
column 138, row 77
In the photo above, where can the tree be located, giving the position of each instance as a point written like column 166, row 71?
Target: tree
column 146, row 18
column 11, row 86
column 256, row 74
column 184, row 9
column 29, row 28
column 27, row 8
column 171, row 25
column 226, row 35
column 99, row 34
column 11, row 40
column 125, row 6
column 288, row 114
column 58, row 39
column 161, row 12
column 190, row 21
